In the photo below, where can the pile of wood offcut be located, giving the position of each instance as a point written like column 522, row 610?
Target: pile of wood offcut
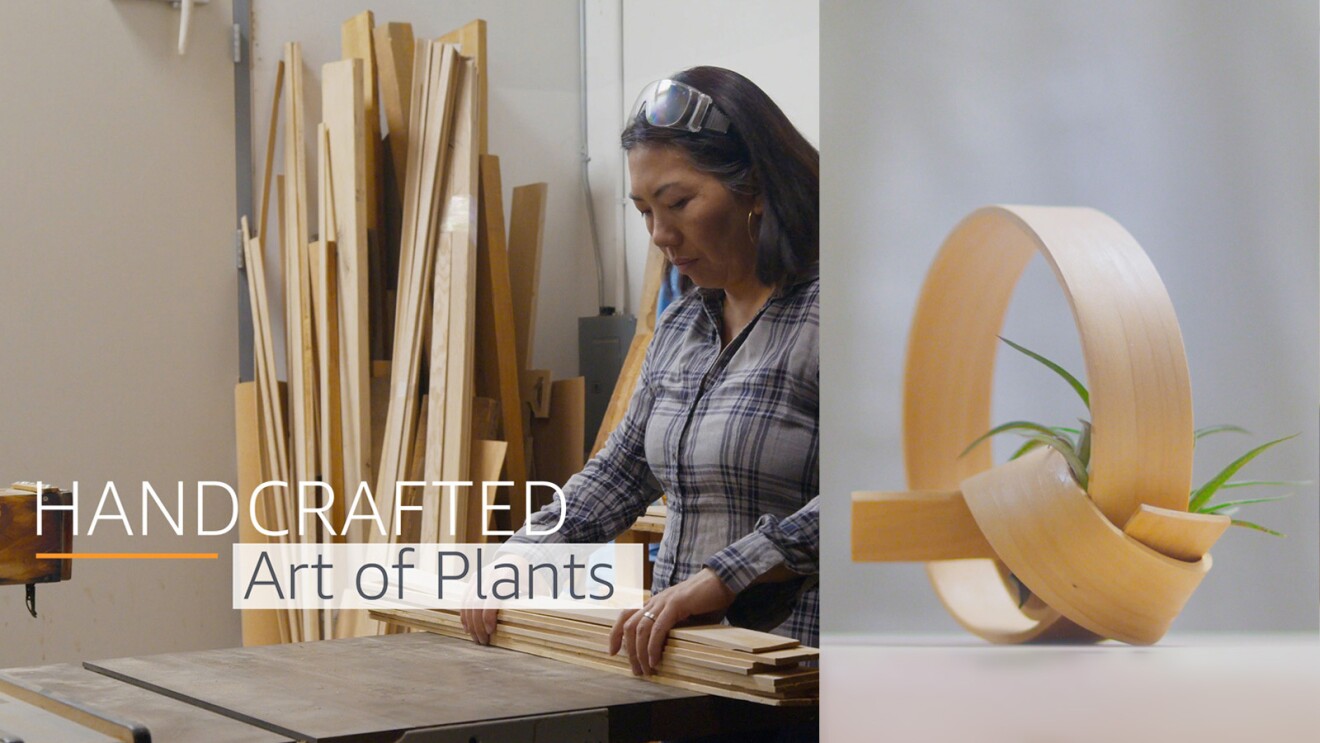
column 714, row 659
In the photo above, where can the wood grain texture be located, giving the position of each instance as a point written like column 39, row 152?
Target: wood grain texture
column 259, row 626
column 770, row 659
column 471, row 43
column 303, row 625
column 454, row 235
column 458, row 238
column 404, row 372
column 329, row 363
column 343, row 95
column 526, row 233
column 1136, row 370
column 271, row 393
column 487, row 463
column 518, row 630
column 357, row 43
column 393, row 46
column 435, row 68
column 496, row 338
column 434, row 80
column 714, row 635
column 293, row 216
column 1135, row 364
column 486, row 418
column 270, row 397
column 322, row 257
column 558, row 437
column 270, row 151
column 18, row 526
column 1178, row 534
column 918, row 526
column 1096, row 576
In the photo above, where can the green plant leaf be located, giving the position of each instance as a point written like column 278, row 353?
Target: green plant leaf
column 1208, row 430
column 1257, row 527
column 1217, row 507
column 1070, row 379
column 1202, row 495
column 1084, row 444
column 1006, row 427
column 1031, row 444
column 1064, row 447
column 1262, row 483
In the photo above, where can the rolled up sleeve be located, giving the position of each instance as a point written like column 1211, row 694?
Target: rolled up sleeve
column 793, row 541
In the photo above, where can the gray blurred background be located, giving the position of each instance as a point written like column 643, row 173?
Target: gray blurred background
column 1194, row 124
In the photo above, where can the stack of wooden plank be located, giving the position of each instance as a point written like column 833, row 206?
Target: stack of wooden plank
column 715, row 659
column 403, row 302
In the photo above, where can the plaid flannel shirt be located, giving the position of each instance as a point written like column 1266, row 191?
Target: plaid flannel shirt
column 732, row 436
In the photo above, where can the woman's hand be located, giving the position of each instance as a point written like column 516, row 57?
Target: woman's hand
column 481, row 615
column 642, row 633
column 479, row 623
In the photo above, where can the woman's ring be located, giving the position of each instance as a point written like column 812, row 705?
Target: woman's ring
column 648, row 615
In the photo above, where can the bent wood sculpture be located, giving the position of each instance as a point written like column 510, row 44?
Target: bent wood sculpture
column 1119, row 561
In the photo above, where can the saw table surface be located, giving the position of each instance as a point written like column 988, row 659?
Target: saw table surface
column 407, row 687
column 166, row 718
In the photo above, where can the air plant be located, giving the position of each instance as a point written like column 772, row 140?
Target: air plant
column 1075, row 446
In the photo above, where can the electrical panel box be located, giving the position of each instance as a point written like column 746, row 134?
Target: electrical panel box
column 603, row 343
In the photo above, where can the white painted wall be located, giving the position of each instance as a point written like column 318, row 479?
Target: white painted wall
column 1194, row 125
column 118, row 340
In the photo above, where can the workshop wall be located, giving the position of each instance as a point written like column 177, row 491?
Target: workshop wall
column 1193, row 125
column 120, row 344
column 118, row 340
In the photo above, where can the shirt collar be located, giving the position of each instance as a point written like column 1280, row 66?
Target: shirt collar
column 715, row 297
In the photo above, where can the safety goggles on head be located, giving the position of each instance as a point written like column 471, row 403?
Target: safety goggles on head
column 675, row 105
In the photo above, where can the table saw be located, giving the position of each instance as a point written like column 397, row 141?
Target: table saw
column 414, row 688
column 21, row 507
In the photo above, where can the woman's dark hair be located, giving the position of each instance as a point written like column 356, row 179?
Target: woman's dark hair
column 761, row 154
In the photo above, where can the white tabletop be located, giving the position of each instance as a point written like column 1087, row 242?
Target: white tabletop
column 1196, row 688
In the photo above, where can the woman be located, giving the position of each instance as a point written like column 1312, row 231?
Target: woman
column 725, row 416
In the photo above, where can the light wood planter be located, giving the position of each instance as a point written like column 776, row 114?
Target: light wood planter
column 1119, row 562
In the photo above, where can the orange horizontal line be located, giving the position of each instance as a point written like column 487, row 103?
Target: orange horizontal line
column 127, row 556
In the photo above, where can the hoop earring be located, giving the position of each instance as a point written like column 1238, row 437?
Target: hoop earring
column 750, row 235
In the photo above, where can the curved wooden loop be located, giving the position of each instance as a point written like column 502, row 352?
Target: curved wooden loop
column 1136, row 368
column 1055, row 540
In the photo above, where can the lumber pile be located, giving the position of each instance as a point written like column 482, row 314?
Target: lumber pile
column 408, row 305
column 715, row 659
